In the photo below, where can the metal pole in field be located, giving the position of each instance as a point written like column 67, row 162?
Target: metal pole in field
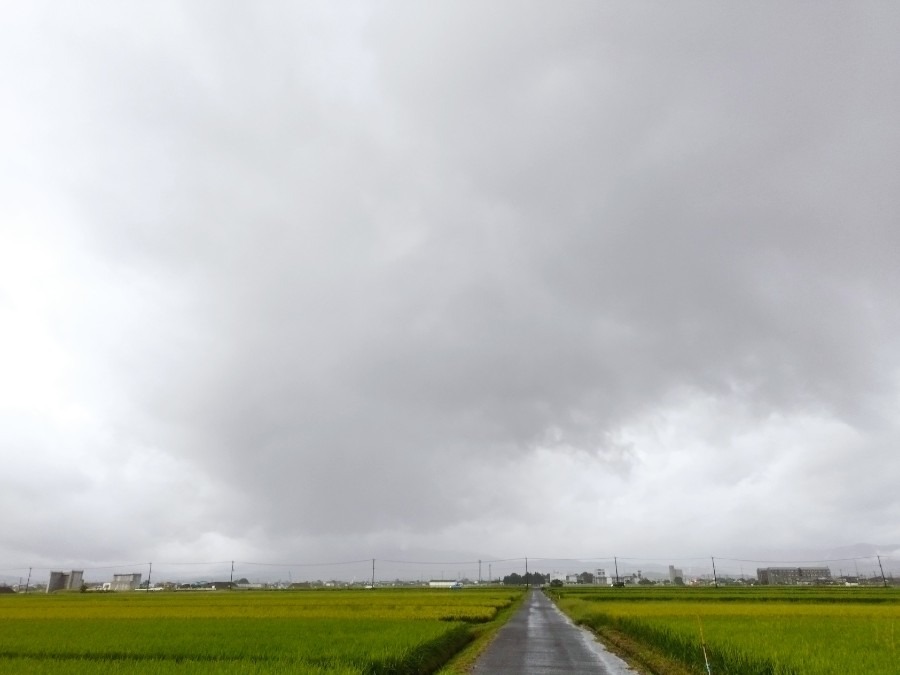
column 149, row 574
column 373, row 572
column 884, row 581
column 479, row 571
column 490, row 573
column 616, row 563
column 28, row 582
column 231, row 579
column 715, row 581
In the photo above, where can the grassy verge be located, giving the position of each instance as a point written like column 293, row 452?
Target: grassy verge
column 640, row 656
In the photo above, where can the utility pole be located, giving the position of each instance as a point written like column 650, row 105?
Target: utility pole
column 479, row 571
column 715, row 581
column 373, row 573
column 28, row 582
column 490, row 573
column 149, row 575
column 884, row 581
column 231, row 578
column 616, row 563
column 527, row 581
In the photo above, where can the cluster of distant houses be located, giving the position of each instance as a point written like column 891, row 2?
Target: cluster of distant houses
column 73, row 580
column 765, row 576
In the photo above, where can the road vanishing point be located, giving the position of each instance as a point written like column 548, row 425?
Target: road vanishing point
column 540, row 639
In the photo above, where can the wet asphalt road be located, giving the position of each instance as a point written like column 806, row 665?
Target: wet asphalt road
column 539, row 639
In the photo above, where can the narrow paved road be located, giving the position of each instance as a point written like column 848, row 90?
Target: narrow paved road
column 540, row 639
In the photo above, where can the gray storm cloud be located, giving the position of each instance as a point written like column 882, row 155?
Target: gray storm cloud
column 439, row 272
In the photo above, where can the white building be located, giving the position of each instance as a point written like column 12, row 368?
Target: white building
column 601, row 578
column 123, row 582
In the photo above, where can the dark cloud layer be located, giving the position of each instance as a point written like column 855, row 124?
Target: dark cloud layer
column 427, row 273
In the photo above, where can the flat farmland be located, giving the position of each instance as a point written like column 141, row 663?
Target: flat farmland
column 772, row 631
column 334, row 632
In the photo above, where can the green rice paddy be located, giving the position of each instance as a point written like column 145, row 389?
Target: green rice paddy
column 322, row 632
column 772, row 631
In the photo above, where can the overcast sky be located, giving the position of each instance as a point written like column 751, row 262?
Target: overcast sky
column 284, row 281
